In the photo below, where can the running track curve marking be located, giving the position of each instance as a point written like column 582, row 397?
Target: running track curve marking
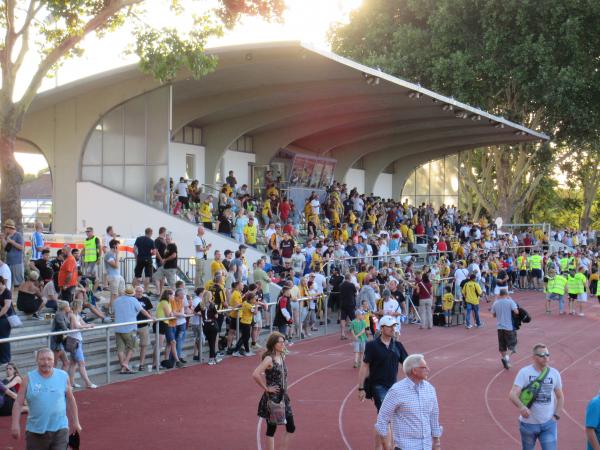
column 310, row 374
column 495, row 377
column 343, row 405
column 575, row 421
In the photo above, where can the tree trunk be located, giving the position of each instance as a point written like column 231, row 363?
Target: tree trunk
column 11, row 178
column 590, row 189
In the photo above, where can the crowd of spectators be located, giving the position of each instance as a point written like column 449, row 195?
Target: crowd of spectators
column 342, row 252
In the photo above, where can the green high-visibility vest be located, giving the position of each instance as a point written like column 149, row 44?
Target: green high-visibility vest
column 575, row 284
column 564, row 263
column 536, row 262
column 557, row 285
column 91, row 250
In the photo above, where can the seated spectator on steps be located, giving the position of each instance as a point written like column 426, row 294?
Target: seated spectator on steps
column 29, row 298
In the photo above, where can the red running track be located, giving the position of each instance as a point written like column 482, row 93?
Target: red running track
column 214, row 407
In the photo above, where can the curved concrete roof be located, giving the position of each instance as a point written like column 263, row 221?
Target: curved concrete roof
column 287, row 93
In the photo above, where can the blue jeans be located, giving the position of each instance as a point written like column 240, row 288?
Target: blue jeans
column 179, row 339
column 379, row 393
column 546, row 432
column 475, row 309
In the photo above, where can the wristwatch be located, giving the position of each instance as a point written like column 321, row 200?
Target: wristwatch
column 556, row 416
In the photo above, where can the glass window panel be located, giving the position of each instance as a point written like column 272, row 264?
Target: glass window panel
column 157, row 129
column 112, row 177
column 436, row 201
column 419, row 199
column 197, row 136
column 451, row 200
column 92, row 173
column 436, row 177
column 112, row 143
column 409, row 186
column 190, row 166
column 451, row 170
column 408, row 198
column 422, row 180
column 135, row 131
column 157, row 186
column 188, row 135
column 135, row 182
column 249, row 144
column 93, row 148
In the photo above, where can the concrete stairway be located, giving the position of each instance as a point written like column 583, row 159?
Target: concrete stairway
column 23, row 352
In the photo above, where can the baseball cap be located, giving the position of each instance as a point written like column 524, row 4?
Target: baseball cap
column 387, row 321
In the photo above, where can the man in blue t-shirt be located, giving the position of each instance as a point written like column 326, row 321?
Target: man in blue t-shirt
column 592, row 423
column 52, row 407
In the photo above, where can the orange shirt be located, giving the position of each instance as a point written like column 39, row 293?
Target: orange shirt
column 68, row 266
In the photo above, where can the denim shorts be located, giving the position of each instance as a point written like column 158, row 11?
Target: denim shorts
column 359, row 346
column 77, row 355
column 379, row 393
column 170, row 334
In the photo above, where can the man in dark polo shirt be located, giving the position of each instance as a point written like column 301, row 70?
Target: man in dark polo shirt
column 380, row 364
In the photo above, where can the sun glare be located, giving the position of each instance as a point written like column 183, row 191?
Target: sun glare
column 303, row 20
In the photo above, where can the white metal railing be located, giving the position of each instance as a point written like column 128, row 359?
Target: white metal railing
column 155, row 321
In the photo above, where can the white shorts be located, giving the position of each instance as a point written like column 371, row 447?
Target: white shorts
column 582, row 297
column 116, row 284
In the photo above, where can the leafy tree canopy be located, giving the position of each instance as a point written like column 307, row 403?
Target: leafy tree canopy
column 532, row 61
column 49, row 31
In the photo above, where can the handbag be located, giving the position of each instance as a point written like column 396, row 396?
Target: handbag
column 14, row 320
column 71, row 344
column 530, row 392
column 277, row 414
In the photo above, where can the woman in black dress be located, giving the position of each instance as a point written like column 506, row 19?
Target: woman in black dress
column 271, row 376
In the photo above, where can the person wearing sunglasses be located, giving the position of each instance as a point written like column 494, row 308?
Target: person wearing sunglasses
column 540, row 419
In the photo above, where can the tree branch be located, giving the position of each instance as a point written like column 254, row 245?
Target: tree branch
column 24, row 34
column 112, row 7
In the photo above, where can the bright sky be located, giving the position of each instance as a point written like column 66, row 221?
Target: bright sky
column 304, row 20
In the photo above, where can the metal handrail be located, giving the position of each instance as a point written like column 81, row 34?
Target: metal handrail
column 121, row 324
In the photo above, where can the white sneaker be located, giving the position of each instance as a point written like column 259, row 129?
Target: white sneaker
column 93, row 386
column 218, row 359
column 250, row 353
column 581, row 314
column 76, row 386
column 237, row 354
column 212, row 362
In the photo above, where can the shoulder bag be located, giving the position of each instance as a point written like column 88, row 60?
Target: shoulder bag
column 530, row 392
column 13, row 319
column 71, row 344
column 277, row 414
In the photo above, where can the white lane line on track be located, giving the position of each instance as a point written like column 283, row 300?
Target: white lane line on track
column 310, row 374
column 495, row 377
column 343, row 405
column 575, row 421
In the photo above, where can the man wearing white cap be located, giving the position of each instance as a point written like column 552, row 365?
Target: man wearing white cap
column 379, row 369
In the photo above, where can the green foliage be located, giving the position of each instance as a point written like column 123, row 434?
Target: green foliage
column 533, row 61
column 163, row 53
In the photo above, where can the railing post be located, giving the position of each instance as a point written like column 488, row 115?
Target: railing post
column 201, row 344
column 157, row 345
column 107, row 356
column 326, row 307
